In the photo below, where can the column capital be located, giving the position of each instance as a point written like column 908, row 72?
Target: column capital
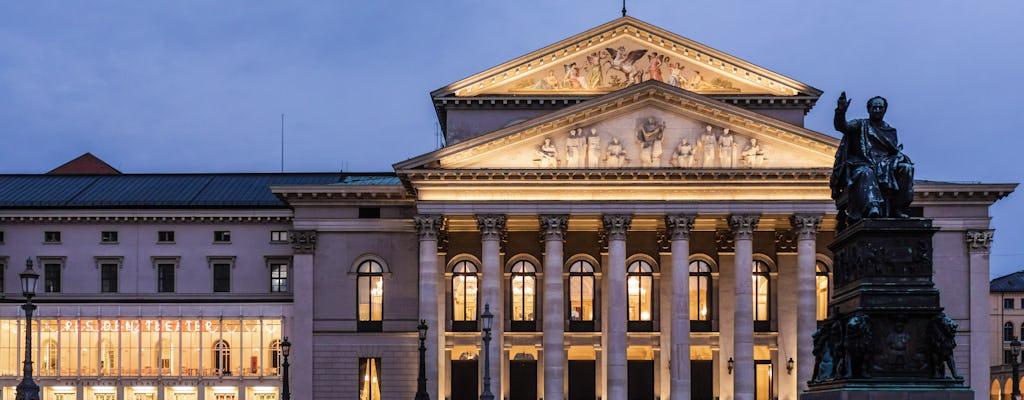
column 616, row 225
column 491, row 226
column 303, row 242
column 743, row 225
column 679, row 226
column 553, row 227
column 805, row 225
column 429, row 226
column 979, row 240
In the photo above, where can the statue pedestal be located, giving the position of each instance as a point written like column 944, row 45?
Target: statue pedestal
column 886, row 336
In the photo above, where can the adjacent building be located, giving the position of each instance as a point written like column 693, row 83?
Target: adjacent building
column 1006, row 299
column 646, row 216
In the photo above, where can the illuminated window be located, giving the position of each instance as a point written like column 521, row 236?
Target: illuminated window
column 639, row 281
column 524, row 292
column 581, row 291
column 369, row 379
column 278, row 277
column 464, row 296
column 222, row 357
column 700, row 296
column 48, row 365
column 370, row 291
column 821, row 290
column 275, row 355
column 762, row 299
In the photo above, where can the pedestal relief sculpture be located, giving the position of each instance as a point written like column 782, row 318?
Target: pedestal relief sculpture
column 886, row 335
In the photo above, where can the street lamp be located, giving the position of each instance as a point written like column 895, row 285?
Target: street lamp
column 286, row 348
column 487, row 318
column 27, row 389
column 1015, row 352
column 421, row 386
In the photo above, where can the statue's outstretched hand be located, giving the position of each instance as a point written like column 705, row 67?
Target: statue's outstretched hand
column 842, row 103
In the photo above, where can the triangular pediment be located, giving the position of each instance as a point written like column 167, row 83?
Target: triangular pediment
column 646, row 126
column 622, row 53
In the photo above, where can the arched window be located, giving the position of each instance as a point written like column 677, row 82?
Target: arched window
column 821, row 290
column 524, row 295
column 639, row 282
column 222, row 357
column 581, row 296
column 1008, row 331
column 48, row 365
column 370, row 290
column 700, row 296
column 275, row 357
column 762, row 295
column 464, row 296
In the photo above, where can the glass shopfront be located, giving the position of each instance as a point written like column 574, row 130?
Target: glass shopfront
column 87, row 347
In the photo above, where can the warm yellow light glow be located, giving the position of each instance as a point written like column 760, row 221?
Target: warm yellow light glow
column 144, row 389
column 63, row 389
column 644, row 315
column 264, row 389
column 223, row 389
column 183, row 389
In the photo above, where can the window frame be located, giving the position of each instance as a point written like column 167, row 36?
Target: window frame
column 365, row 366
column 52, row 237
column 115, row 264
column 286, row 264
column 641, row 324
column 224, row 264
column 222, row 237
column 45, row 263
column 822, row 270
column 173, row 263
column 365, row 272
column 470, row 322
column 108, row 237
column 581, row 275
column 762, row 325
column 3, row 272
column 279, row 236
column 527, row 320
column 165, row 237
column 697, row 324
column 1008, row 331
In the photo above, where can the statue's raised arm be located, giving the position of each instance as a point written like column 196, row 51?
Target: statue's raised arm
column 871, row 178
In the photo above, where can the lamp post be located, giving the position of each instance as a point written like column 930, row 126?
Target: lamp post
column 421, row 384
column 1015, row 352
column 27, row 389
column 286, row 348
column 487, row 318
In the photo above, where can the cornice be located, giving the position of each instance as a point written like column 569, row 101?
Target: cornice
column 117, row 216
column 960, row 193
column 672, row 175
column 342, row 194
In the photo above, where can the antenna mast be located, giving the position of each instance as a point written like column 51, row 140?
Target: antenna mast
column 282, row 142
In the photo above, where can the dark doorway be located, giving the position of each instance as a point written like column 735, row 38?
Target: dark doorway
column 640, row 380
column 464, row 380
column 582, row 380
column 522, row 380
column 702, row 380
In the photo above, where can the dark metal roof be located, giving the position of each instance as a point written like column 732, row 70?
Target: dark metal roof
column 1008, row 283
column 164, row 190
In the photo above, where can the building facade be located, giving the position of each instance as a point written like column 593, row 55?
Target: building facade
column 1006, row 302
column 646, row 216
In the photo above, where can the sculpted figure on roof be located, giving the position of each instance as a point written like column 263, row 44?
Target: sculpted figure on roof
column 871, row 177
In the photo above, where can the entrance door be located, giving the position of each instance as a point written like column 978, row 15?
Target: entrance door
column 522, row 380
column 764, row 388
column 464, row 380
column 640, row 379
column 582, row 380
column 702, row 380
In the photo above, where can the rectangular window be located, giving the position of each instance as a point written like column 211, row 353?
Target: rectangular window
column 1, row 236
column 279, row 236
column 108, row 278
column 369, row 212
column 51, row 277
column 1022, row 303
column 51, row 237
column 221, row 236
column 165, row 236
column 3, row 267
column 278, row 277
column 165, row 277
column 222, row 277
column 1008, row 303
column 108, row 237
column 369, row 378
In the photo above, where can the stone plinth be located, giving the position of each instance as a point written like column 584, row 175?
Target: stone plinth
column 886, row 336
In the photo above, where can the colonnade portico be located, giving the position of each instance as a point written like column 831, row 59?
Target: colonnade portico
column 611, row 342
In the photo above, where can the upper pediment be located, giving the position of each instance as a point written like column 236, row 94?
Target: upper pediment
column 646, row 126
column 621, row 53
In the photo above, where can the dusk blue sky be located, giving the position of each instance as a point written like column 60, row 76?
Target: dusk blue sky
column 190, row 86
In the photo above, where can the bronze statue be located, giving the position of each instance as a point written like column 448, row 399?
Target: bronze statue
column 858, row 344
column 871, row 178
column 943, row 342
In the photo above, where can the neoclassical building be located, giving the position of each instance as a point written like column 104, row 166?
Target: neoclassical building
column 647, row 217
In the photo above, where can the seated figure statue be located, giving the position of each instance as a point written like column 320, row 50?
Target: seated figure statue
column 871, row 178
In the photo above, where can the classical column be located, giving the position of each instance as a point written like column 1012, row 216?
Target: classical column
column 743, row 315
column 300, row 329
column 491, row 227
column 616, row 226
column 979, row 243
column 428, row 227
column 553, row 227
column 806, row 228
column 678, row 228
